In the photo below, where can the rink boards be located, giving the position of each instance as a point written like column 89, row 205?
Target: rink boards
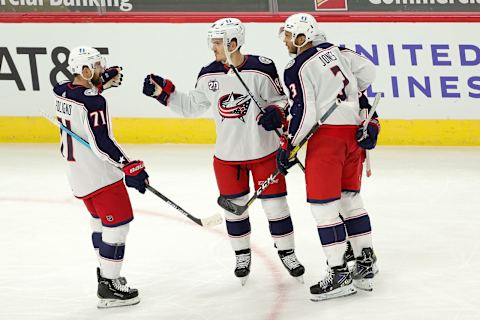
column 427, row 72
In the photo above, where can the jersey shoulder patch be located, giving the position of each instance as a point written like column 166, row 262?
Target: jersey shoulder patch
column 93, row 100
column 91, row 92
column 264, row 60
column 258, row 63
column 290, row 64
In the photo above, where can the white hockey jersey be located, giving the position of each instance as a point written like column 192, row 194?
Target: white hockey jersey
column 85, row 112
column 316, row 78
column 239, row 137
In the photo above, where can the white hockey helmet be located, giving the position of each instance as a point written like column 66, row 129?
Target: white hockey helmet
column 84, row 56
column 227, row 29
column 301, row 24
column 320, row 37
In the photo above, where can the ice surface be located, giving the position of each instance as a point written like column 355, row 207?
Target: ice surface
column 424, row 205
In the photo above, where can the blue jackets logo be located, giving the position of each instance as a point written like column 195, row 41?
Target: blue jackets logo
column 233, row 106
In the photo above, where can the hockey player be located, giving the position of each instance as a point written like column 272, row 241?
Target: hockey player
column 246, row 143
column 368, row 144
column 96, row 177
column 319, row 76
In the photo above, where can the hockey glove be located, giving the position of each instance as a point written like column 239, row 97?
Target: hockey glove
column 158, row 88
column 111, row 77
column 135, row 175
column 272, row 118
column 283, row 155
column 368, row 139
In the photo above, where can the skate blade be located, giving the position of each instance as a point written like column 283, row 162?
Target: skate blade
column 243, row 280
column 375, row 269
column 340, row 292
column 113, row 303
column 364, row 284
column 299, row 279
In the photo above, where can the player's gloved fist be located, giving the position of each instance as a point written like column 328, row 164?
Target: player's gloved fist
column 368, row 140
column 135, row 175
column 283, row 155
column 158, row 88
column 111, row 77
column 272, row 118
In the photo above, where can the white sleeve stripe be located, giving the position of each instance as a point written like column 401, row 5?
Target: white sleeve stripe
column 110, row 131
column 106, row 155
column 304, row 110
column 90, row 133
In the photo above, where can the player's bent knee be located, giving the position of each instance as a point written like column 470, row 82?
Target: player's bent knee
column 115, row 235
column 112, row 246
column 96, row 224
column 351, row 204
column 326, row 213
column 239, row 201
column 276, row 208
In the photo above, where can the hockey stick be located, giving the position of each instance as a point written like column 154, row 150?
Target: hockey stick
column 239, row 209
column 206, row 222
column 368, row 166
column 370, row 114
column 232, row 67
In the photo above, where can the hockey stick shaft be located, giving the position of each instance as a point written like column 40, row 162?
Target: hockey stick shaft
column 371, row 113
column 250, row 94
column 258, row 105
column 368, row 162
column 238, row 209
column 201, row 222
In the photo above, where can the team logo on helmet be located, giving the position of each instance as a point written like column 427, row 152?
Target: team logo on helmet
column 233, row 105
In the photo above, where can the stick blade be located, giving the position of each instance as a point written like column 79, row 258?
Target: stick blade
column 368, row 164
column 230, row 206
column 214, row 220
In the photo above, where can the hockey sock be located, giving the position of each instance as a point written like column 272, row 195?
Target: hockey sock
column 331, row 231
column 279, row 222
column 96, row 226
column 112, row 250
column 357, row 222
column 238, row 227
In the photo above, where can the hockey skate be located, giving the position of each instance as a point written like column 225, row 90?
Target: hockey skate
column 291, row 263
column 122, row 280
column 364, row 270
column 115, row 292
column 242, row 267
column 349, row 258
column 337, row 283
